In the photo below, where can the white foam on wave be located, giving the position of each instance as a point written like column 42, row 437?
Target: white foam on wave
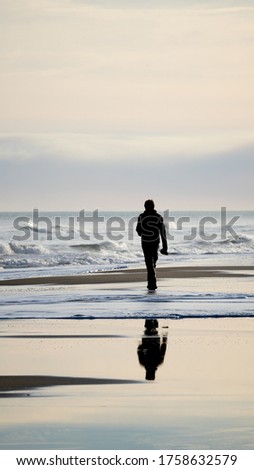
column 28, row 249
column 17, row 255
column 5, row 249
column 41, row 251
column 13, row 248
column 242, row 244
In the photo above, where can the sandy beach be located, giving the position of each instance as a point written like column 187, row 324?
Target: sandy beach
column 68, row 384
column 137, row 275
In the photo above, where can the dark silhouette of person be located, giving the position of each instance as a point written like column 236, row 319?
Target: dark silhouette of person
column 151, row 351
column 151, row 229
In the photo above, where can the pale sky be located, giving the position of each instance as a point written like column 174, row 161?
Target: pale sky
column 107, row 102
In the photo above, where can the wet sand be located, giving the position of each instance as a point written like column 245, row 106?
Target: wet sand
column 137, row 275
column 79, row 385
column 22, row 382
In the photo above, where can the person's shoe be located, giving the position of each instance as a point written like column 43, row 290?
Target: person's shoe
column 152, row 290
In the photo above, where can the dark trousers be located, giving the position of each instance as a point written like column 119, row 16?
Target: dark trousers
column 150, row 251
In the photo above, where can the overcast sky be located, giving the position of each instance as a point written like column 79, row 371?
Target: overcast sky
column 105, row 103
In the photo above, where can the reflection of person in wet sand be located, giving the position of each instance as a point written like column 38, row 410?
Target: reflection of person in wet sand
column 151, row 351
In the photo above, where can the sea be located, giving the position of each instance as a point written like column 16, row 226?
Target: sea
column 39, row 244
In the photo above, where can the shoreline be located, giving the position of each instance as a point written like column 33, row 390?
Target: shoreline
column 136, row 275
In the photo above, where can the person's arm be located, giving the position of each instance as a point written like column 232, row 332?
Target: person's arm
column 139, row 226
column 164, row 250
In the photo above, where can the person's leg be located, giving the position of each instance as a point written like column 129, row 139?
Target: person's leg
column 155, row 255
column 153, row 282
column 151, row 256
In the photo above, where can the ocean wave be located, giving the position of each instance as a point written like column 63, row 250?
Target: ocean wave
column 49, row 260
column 12, row 248
column 29, row 249
column 35, row 228
column 107, row 253
column 5, row 249
column 35, row 255
column 137, row 315
column 189, row 298
column 242, row 244
column 159, row 316
column 66, row 232
column 238, row 240
column 106, row 245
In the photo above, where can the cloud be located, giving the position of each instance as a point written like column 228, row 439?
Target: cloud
column 157, row 4
column 224, row 179
column 120, row 147
column 102, row 100
column 125, row 69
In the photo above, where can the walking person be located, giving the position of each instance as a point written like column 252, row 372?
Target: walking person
column 151, row 229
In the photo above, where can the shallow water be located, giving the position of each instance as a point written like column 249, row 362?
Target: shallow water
column 175, row 299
